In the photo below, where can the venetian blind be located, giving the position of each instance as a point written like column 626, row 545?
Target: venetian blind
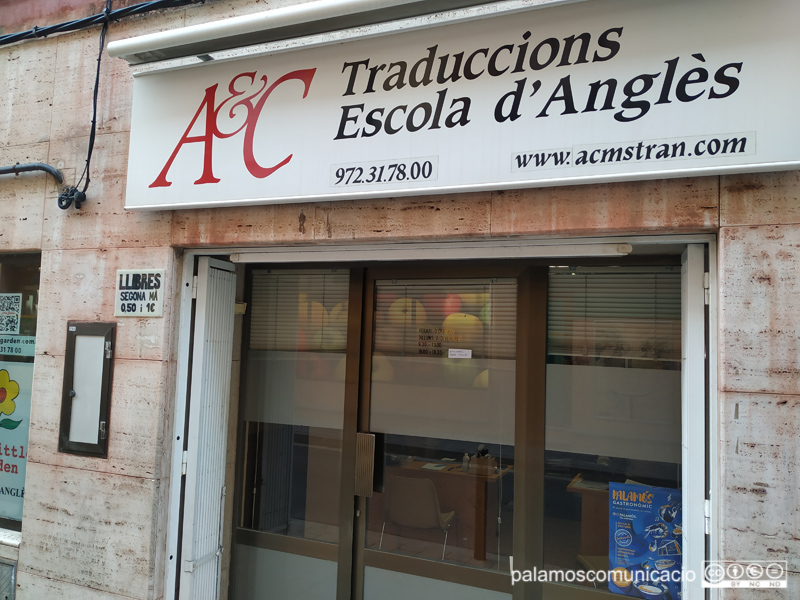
column 299, row 310
column 432, row 317
column 607, row 314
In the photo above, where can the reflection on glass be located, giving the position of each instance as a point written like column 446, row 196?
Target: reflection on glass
column 294, row 403
column 442, row 395
column 19, row 298
column 262, row 573
column 19, row 307
column 391, row 585
column 613, row 404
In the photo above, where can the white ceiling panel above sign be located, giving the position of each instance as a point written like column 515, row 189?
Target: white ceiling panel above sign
column 578, row 93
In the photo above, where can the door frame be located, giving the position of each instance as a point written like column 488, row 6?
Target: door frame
column 546, row 249
column 529, row 406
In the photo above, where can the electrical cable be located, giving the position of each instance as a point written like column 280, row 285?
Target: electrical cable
column 98, row 19
column 68, row 196
column 74, row 195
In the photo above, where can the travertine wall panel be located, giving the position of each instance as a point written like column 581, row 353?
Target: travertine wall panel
column 759, row 312
column 79, row 285
column 75, row 77
column 9, row 552
column 89, row 529
column 457, row 215
column 22, row 198
column 33, row 587
column 760, row 198
column 26, row 100
column 102, row 222
column 760, row 459
column 135, row 430
column 630, row 207
column 243, row 226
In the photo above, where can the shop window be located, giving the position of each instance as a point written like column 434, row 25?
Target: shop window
column 613, row 413
column 19, row 298
column 443, row 400
column 294, row 403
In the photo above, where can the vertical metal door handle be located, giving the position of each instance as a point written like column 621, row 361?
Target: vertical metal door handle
column 365, row 464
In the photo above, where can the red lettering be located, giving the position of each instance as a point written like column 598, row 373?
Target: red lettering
column 304, row 75
column 207, row 139
column 212, row 113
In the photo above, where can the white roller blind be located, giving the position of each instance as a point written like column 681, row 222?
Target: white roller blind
column 615, row 314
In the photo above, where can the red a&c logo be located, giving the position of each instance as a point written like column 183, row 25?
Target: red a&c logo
column 252, row 104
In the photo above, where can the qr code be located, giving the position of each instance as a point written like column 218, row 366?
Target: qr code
column 10, row 310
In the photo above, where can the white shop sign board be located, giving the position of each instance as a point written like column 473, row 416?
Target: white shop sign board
column 139, row 293
column 593, row 91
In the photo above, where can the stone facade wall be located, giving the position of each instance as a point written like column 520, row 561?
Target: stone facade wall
column 759, row 372
column 96, row 528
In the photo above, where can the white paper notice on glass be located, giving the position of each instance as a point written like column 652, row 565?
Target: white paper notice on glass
column 459, row 353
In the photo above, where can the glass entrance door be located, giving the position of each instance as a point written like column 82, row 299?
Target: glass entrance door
column 287, row 527
column 426, row 361
column 441, row 401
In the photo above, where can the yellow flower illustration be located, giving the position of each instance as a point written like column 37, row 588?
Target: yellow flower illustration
column 8, row 391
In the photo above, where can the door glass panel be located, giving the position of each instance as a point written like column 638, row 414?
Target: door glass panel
column 391, row 585
column 288, row 576
column 613, row 417
column 292, row 418
column 442, row 396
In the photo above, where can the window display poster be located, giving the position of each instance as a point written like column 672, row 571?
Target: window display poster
column 645, row 541
column 15, row 412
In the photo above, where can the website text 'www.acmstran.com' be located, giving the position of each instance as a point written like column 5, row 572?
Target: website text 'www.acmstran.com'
column 696, row 147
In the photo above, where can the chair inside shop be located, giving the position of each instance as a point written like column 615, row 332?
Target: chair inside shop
column 413, row 502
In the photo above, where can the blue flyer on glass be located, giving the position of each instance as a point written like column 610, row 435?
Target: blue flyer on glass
column 644, row 541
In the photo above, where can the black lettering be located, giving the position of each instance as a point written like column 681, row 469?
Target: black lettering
column 523, row 50
column 731, row 145
column 628, row 153
column 610, row 45
column 373, row 72
column 672, row 65
column 437, row 113
column 427, row 109
column 721, row 77
column 663, row 151
column 513, row 113
column 346, row 118
column 569, row 42
column 554, row 44
column 399, row 77
column 468, row 73
column 643, row 106
column 492, row 68
column 459, row 116
column 565, row 87
column 387, row 126
column 373, row 122
column 413, row 80
column 594, row 91
column 612, row 154
column 454, row 74
column 353, row 66
column 688, row 79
